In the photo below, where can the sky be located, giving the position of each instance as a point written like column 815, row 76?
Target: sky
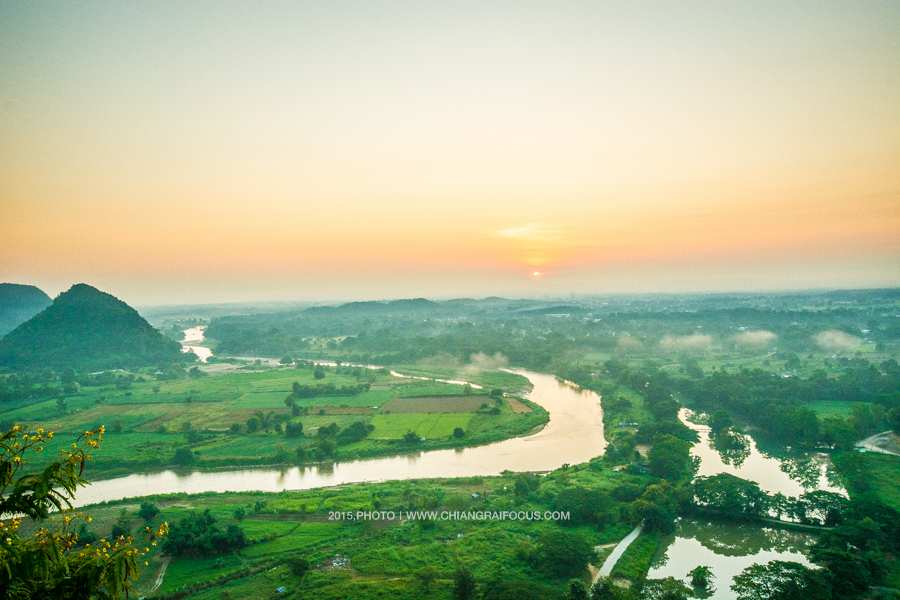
column 187, row 152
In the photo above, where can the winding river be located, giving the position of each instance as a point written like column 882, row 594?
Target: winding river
column 573, row 435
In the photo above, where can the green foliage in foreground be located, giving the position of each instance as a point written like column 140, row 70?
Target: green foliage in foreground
column 49, row 561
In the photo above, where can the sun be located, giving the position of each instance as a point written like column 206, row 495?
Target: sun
column 536, row 274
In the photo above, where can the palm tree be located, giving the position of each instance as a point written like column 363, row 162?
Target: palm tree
column 265, row 421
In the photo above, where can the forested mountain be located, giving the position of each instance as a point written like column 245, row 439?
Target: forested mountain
column 18, row 303
column 85, row 329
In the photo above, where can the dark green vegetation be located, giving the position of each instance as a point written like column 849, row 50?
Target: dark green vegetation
column 86, row 329
column 814, row 371
column 169, row 416
column 774, row 332
column 18, row 303
column 784, row 407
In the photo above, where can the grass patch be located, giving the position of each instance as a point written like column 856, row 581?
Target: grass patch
column 424, row 425
column 884, row 471
column 306, row 535
column 635, row 562
column 437, row 404
column 825, row 408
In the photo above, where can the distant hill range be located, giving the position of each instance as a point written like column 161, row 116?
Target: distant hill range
column 18, row 303
column 86, row 329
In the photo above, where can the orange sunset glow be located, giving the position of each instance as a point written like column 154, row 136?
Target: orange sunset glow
column 178, row 152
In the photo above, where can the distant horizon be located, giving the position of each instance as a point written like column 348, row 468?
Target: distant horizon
column 548, row 297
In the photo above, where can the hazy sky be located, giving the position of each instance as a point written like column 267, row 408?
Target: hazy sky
column 215, row 151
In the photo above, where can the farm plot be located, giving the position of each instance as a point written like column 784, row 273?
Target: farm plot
column 429, row 388
column 518, row 406
column 306, row 534
column 368, row 399
column 436, row 404
column 424, row 425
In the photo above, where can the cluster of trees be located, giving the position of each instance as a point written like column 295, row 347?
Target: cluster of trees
column 198, row 535
column 327, row 389
column 778, row 405
column 853, row 554
column 669, row 457
column 731, row 497
column 524, row 332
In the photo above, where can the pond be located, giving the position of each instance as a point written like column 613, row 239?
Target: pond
column 727, row 548
column 791, row 473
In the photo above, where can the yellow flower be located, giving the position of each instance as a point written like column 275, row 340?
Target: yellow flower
column 17, row 459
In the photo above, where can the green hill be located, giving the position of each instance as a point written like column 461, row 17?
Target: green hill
column 18, row 303
column 86, row 329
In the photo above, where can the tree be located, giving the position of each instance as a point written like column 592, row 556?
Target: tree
column 657, row 507
column 701, row 576
column 719, row 421
column 52, row 563
column 665, row 589
column 298, row 565
column 426, row 577
column 778, row 580
column 564, row 554
column 458, row 432
column 525, row 484
column 198, row 535
column 293, row 430
column 893, row 418
column 605, row 589
column 731, row 496
column 183, row 457
column 253, row 424
column 464, row 584
column 575, row 591
column 670, row 457
column 265, row 421
column 148, row 511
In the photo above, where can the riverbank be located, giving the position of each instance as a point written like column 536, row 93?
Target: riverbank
column 491, row 524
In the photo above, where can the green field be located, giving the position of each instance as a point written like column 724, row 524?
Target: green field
column 836, row 408
column 884, row 471
column 424, row 425
column 300, row 536
column 148, row 421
